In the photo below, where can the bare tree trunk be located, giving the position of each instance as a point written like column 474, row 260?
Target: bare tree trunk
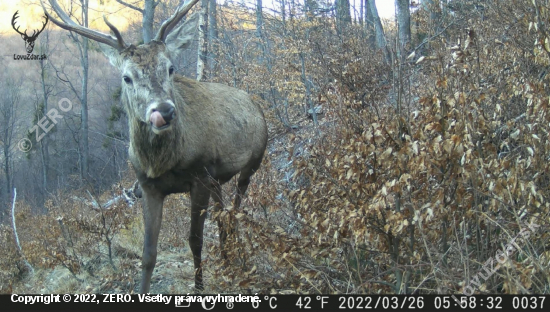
column 309, row 102
column 404, row 23
column 84, row 95
column 84, row 110
column 283, row 15
column 9, row 107
column 434, row 8
column 310, row 6
column 379, row 30
column 148, row 19
column 370, row 24
column 265, row 57
column 430, row 7
column 259, row 18
column 361, row 11
column 203, row 41
column 44, row 141
column 343, row 15
column 212, row 36
column 15, row 232
column 259, row 31
column 7, row 162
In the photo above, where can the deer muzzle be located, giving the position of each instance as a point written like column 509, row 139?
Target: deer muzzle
column 162, row 115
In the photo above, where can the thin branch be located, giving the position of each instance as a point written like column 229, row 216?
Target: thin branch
column 131, row 6
column 67, row 81
column 426, row 40
column 107, row 229
column 110, row 137
column 129, row 195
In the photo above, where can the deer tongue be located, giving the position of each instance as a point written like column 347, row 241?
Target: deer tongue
column 157, row 120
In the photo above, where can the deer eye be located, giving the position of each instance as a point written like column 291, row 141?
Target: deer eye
column 171, row 70
column 127, row 79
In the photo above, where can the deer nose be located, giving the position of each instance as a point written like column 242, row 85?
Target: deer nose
column 167, row 111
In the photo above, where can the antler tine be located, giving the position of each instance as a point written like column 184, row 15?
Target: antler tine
column 68, row 24
column 45, row 23
column 170, row 23
column 36, row 32
column 13, row 23
column 115, row 31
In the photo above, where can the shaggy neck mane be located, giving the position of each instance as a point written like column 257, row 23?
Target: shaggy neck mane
column 156, row 153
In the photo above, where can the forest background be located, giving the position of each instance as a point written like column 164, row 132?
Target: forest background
column 406, row 151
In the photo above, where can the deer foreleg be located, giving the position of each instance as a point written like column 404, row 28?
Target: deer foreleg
column 200, row 194
column 152, row 218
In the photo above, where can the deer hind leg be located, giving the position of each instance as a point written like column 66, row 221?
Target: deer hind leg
column 200, row 195
column 242, row 186
column 152, row 219
column 230, row 227
column 242, row 183
column 218, row 207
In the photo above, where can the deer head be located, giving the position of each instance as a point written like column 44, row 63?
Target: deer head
column 29, row 40
column 147, row 75
column 146, row 69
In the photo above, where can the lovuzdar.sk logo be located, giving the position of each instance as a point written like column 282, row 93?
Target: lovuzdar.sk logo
column 29, row 40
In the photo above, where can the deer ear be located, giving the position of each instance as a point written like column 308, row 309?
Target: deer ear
column 181, row 37
column 112, row 54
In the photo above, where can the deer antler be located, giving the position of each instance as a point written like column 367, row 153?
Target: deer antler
column 13, row 24
column 170, row 23
column 68, row 24
column 34, row 33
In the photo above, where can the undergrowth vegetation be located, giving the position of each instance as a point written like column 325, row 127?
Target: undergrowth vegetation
column 418, row 172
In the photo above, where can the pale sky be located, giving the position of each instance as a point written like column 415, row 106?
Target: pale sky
column 386, row 8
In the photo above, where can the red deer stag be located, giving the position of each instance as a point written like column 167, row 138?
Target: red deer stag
column 185, row 136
